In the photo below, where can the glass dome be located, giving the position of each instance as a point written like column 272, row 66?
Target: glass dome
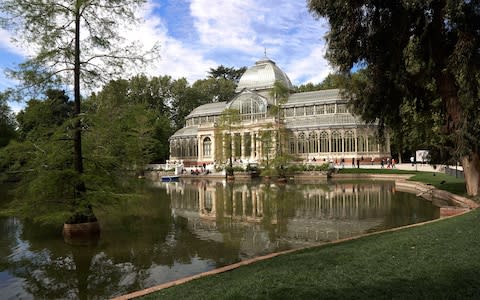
column 262, row 76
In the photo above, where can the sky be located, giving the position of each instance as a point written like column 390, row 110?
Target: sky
column 196, row 35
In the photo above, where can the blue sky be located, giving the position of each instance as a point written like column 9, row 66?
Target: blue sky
column 196, row 35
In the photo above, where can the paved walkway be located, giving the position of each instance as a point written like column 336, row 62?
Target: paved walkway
column 409, row 167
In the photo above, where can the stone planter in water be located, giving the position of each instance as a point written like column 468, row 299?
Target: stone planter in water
column 81, row 233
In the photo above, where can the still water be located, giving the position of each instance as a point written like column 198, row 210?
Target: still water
column 184, row 228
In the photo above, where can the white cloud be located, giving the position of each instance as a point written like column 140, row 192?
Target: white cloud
column 7, row 45
column 177, row 59
column 224, row 32
column 312, row 68
column 226, row 24
column 290, row 34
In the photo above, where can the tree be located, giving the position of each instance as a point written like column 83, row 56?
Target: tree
column 413, row 51
column 230, row 74
column 7, row 124
column 132, row 114
column 332, row 81
column 54, row 28
column 214, row 90
column 228, row 121
column 279, row 94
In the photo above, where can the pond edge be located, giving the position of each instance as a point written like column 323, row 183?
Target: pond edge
column 456, row 206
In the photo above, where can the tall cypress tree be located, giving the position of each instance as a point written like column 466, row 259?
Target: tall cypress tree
column 77, row 43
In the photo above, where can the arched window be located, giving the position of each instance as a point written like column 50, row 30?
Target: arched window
column 372, row 143
column 194, row 147
column 324, row 142
column 313, row 143
column 361, row 144
column 207, row 147
column 250, row 106
column 336, row 141
column 349, row 141
column 292, row 144
column 301, row 143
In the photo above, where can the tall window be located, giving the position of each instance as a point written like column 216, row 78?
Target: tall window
column 361, row 144
column 336, row 142
column 349, row 141
column 207, row 147
column 292, row 145
column 313, row 142
column 301, row 143
column 372, row 143
column 324, row 141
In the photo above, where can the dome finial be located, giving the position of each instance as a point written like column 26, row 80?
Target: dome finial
column 265, row 51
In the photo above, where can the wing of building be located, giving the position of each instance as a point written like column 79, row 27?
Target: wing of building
column 313, row 126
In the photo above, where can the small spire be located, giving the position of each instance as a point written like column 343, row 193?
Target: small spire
column 265, row 51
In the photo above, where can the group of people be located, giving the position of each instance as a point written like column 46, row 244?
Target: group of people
column 198, row 170
column 389, row 162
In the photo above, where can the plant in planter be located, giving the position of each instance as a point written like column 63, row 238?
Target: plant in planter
column 281, row 165
column 229, row 170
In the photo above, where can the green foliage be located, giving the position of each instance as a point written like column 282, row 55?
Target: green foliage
column 136, row 110
column 64, row 52
column 229, row 170
column 332, row 81
column 312, row 167
column 229, row 121
column 230, row 74
column 118, row 142
column 420, row 53
column 214, row 90
column 7, row 124
column 52, row 27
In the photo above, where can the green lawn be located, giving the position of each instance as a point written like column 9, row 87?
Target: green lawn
column 439, row 180
column 442, row 181
column 435, row 260
column 438, row 260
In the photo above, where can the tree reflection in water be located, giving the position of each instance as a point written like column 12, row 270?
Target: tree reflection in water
column 179, row 229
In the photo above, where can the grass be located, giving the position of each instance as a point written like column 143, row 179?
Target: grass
column 442, row 181
column 439, row 180
column 435, row 260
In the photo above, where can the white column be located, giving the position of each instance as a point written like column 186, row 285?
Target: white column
column 232, row 141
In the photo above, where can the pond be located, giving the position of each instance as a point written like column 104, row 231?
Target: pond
column 184, row 228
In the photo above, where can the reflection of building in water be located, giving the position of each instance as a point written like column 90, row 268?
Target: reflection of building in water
column 269, row 216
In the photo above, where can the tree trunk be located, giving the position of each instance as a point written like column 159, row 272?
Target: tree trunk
column 77, row 131
column 471, row 171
